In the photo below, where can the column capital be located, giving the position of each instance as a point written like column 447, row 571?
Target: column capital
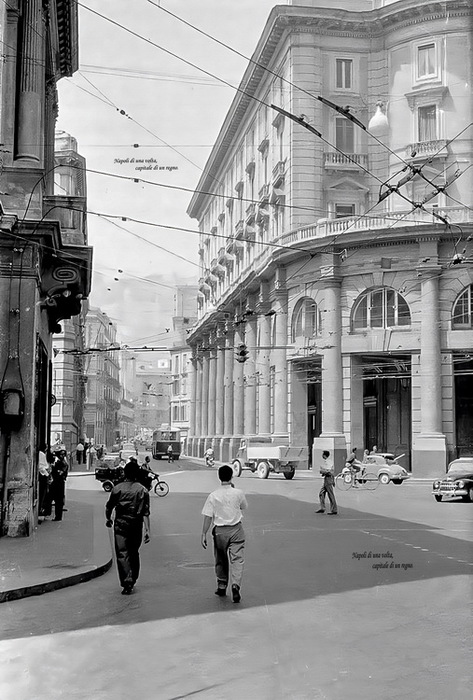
column 329, row 276
column 428, row 270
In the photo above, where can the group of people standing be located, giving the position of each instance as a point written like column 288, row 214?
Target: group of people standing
column 87, row 453
column 53, row 469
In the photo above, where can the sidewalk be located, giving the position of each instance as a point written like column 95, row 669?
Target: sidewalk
column 57, row 554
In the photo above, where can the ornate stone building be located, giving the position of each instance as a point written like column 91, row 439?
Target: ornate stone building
column 339, row 255
column 45, row 263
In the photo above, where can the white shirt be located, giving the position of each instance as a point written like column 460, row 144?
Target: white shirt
column 224, row 505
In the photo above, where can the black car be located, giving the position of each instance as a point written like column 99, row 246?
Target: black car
column 458, row 481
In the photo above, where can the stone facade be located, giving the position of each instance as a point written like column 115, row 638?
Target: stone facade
column 44, row 274
column 342, row 261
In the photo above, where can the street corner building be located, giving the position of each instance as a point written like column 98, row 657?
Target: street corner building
column 45, row 263
column 335, row 218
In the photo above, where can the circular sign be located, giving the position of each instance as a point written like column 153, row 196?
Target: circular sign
column 52, row 400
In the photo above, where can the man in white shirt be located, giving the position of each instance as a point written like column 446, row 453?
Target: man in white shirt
column 326, row 470
column 223, row 508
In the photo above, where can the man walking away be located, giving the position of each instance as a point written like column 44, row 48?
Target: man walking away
column 59, row 471
column 170, row 454
column 326, row 470
column 80, row 453
column 223, row 508
column 130, row 501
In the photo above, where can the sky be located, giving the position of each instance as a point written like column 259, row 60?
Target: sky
column 131, row 101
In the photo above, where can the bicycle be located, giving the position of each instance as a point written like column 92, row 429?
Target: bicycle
column 348, row 479
column 160, row 488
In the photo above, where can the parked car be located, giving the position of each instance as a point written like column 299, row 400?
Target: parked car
column 458, row 482
column 386, row 467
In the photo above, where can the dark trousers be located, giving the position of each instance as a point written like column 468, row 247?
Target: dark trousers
column 80, row 457
column 327, row 489
column 43, row 495
column 57, row 493
column 229, row 549
column 127, row 546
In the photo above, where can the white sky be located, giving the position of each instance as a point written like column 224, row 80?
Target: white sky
column 177, row 104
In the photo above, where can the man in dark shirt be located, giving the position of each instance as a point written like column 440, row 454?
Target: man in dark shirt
column 130, row 501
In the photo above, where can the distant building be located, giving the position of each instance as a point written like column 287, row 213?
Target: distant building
column 103, row 391
column 152, row 390
column 185, row 316
column 126, row 414
column 69, row 379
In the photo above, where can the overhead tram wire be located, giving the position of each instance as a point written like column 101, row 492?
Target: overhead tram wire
column 132, row 119
column 343, row 111
column 138, row 180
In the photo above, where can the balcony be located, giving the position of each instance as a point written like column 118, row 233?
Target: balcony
column 339, row 161
column 225, row 258
column 423, row 150
column 264, row 193
column 216, row 268
column 250, row 213
column 279, row 173
column 239, row 228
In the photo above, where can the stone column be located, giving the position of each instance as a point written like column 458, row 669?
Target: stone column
column 429, row 452
column 198, row 409
column 278, row 359
column 249, row 369
column 219, row 383
column 332, row 437
column 29, row 114
column 238, row 388
column 205, row 390
column 212, row 386
column 193, row 407
column 263, row 361
column 227, row 395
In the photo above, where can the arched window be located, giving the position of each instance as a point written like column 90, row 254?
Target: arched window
column 463, row 309
column 304, row 319
column 380, row 308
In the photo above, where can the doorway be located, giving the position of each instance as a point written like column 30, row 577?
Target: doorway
column 463, row 379
column 387, row 405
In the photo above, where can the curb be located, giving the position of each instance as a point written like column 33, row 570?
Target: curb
column 49, row 586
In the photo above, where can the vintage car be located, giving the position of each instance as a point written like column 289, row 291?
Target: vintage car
column 386, row 467
column 458, row 483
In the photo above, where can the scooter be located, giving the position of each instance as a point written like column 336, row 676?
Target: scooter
column 209, row 460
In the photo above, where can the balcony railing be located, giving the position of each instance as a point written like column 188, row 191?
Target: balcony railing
column 329, row 228
column 339, row 161
column 427, row 149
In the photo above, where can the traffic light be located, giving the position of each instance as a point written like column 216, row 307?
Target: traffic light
column 242, row 353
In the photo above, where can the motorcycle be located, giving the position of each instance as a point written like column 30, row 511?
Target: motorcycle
column 209, row 460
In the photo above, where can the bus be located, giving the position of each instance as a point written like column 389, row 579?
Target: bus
column 162, row 438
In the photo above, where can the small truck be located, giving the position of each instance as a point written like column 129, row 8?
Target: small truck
column 262, row 455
